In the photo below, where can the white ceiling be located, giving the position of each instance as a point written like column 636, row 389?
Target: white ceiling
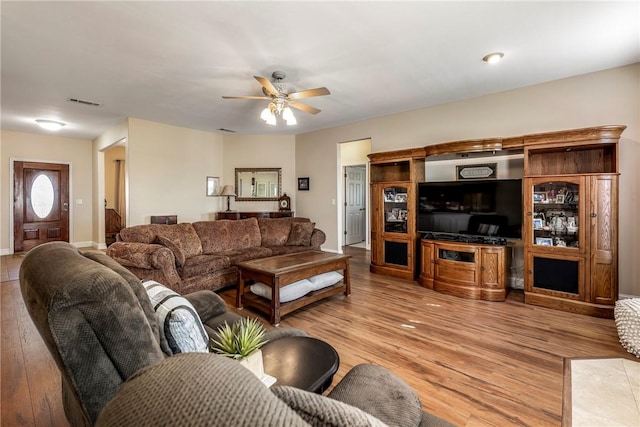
column 171, row 62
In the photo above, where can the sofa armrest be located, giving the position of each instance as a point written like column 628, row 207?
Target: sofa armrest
column 317, row 238
column 144, row 256
column 207, row 303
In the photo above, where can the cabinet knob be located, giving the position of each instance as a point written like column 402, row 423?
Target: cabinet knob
column 528, row 213
column 529, row 272
column 593, row 214
column 482, row 268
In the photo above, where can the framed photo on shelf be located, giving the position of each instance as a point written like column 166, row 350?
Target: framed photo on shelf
column 544, row 241
column 560, row 198
column 389, row 196
column 539, row 197
column 303, row 184
column 538, row 223
column 401, row 197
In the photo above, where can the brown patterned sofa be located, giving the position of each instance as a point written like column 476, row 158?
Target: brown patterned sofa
column 202, row 255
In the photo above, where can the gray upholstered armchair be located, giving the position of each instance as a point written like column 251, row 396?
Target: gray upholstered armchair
column 99, row 325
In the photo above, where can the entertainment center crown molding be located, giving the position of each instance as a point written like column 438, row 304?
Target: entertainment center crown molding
column 577, row 171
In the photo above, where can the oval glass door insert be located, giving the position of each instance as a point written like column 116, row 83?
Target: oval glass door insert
column 42, row 196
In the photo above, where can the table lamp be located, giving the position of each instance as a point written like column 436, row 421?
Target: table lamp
column 229, row 192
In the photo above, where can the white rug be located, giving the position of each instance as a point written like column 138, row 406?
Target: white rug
column 601, row 392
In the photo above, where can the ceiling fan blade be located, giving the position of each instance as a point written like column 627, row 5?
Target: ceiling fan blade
column 271, row 89
column 245, row 97
column 304, row 107
column 320, row 91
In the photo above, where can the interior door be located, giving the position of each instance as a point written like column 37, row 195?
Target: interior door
column 40, row 204
column 355, row 210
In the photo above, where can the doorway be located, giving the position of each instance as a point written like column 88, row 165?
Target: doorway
column 41, row 204
column 355, row 211
column 115, row 194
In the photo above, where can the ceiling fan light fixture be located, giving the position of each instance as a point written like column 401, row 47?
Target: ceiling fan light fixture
column 50, row 124
column 287, row 114
column 493, row 58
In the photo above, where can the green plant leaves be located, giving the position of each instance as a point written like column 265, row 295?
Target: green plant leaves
column 239, row 339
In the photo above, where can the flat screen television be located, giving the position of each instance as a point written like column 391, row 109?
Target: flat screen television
column 478, row 207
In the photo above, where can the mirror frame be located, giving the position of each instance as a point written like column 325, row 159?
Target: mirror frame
column 258, row 199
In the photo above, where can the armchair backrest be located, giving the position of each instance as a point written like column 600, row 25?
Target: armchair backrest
column 95, row 319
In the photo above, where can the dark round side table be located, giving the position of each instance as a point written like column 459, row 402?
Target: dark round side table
column 302, row 362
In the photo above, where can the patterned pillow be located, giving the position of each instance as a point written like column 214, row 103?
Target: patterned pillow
column 300, row 234
column 174, row 246
column 179, row 322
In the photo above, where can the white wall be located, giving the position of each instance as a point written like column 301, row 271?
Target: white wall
column 51, row 149
column 608, row 97
column 168, row 166
column 260, row 151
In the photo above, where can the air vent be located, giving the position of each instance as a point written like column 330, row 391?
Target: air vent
column 226, row 130
column 83, row 102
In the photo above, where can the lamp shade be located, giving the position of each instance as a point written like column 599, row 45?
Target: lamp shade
column 228, row 190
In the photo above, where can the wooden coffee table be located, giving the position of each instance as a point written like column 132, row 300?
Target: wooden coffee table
column 282, row 270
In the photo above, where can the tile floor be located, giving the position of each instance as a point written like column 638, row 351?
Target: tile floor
column 605, row 392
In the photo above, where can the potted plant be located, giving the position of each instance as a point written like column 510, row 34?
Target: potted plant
column 242, row 341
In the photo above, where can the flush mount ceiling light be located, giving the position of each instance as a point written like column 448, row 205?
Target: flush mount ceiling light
column 494, row 57
column 50, row 124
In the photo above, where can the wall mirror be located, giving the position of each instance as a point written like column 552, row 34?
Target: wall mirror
column 258, row 184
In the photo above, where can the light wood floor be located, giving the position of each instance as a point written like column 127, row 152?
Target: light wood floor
column 473, row 363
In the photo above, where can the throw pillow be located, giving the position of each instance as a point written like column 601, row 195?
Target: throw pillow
column 325, row 280
column 174, row 246
column 300, row 234
column 320, row 410
column 288, row 293
column 179, row 322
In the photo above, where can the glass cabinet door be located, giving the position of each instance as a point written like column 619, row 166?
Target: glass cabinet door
column 556, row 213
column 395, row 209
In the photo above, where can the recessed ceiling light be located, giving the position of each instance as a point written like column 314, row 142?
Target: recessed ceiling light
column 50, row 124
column 494, row 57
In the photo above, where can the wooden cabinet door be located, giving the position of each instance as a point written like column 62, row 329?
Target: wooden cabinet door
column 492, row 268
column 427, row 262
column 376, row 208
column 603, row 215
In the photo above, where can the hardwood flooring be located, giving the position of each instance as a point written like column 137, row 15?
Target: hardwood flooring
column 473, row 363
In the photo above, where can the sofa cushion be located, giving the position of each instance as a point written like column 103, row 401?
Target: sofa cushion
column 247, row 254
column 227, row 235
column 288, row 293
column 145, row 233
column 381, row 393
column 300, row 234
column 320, row 411
column 179, row 321
column 174, row 246
column 203, row 264
column 274, row 231
column 185, row 233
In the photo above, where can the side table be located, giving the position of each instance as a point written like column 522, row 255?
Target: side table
column 302, row 362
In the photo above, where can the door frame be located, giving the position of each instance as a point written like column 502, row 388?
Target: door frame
column 365, row 196
column 12, row 160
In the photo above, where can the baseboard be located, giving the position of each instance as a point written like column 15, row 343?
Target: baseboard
column 627, row 296
column 5, row 252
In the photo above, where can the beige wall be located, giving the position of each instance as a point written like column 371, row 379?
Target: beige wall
column 606, row 97
column 52, row 149
column 260, row 151
column 167, row 168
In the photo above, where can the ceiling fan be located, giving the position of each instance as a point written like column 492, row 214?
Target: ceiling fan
column 281, row 100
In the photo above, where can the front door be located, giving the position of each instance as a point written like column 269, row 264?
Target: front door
column 40, row 204
column 355, row 211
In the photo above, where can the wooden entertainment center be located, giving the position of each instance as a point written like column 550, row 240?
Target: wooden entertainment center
column 569, row 225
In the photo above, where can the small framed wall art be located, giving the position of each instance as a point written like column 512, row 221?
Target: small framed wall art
column 303, row 184
column 213, row 186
